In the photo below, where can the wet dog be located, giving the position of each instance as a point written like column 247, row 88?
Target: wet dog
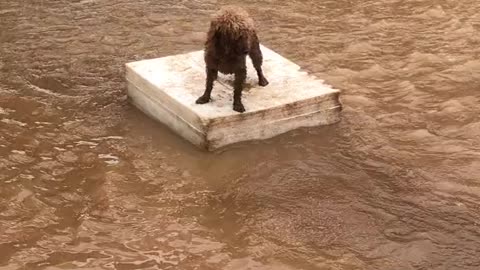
column 231, row 37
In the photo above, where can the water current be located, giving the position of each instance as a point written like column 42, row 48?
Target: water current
column 89, row 182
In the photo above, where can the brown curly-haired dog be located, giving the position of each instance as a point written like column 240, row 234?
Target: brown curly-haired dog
column 231, row 37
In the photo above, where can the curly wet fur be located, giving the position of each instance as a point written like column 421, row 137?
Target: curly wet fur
column 231, row 37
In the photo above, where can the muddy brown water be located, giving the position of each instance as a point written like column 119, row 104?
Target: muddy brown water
column 88, row 182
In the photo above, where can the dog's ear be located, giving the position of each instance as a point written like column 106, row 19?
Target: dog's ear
column 243, row 44
column 211, row 31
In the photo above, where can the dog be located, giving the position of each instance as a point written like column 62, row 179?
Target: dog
column 231, row 37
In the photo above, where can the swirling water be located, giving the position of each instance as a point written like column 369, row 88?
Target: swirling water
column 88, row 182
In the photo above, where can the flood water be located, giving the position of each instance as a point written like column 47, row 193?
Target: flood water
column 89, row 182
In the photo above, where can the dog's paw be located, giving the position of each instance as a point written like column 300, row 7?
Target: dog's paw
column 238, row 107
column 263, row 82
column 202, row 100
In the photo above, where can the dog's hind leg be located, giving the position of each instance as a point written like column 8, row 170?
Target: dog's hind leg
column 257, row 59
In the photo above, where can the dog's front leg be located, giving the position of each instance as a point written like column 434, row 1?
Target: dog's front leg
column 240, row 76
column 211, row 77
